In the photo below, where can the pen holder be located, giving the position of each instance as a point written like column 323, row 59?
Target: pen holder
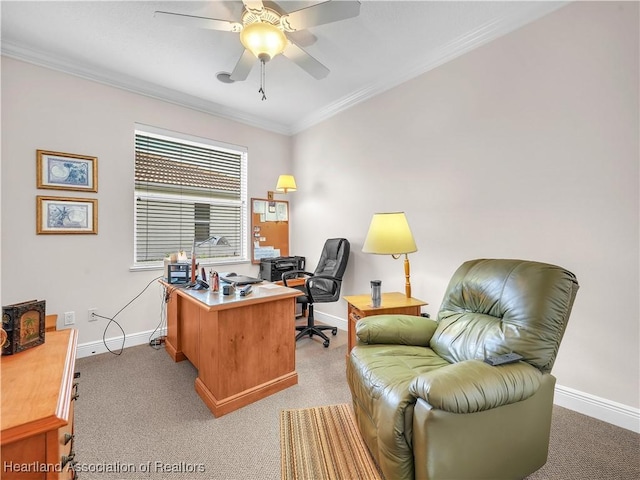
column 376, row 296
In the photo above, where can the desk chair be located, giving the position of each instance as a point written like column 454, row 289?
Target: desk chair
column 321, row 286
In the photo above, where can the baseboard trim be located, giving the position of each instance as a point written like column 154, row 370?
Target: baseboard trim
column 115, row 343
column 581, row 402
column 341, row 323
column 597, row 407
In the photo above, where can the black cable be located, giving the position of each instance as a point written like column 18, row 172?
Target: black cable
column 112, row 319
column 104, row 340
column 156, row 343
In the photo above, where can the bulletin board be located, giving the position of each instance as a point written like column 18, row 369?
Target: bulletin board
column 269, row 229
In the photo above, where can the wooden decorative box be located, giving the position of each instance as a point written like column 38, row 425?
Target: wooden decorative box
column 24, row 324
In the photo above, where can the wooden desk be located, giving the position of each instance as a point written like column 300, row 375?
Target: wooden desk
column 37, row 409
column 50, row 322
column 359, row 306
column 293, row 282
column 243, row 347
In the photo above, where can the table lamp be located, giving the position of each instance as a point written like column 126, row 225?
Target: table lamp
column 389, row 234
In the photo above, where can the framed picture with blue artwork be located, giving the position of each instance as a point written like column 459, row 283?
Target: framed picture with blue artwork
column 66, row 215
column 66, row 171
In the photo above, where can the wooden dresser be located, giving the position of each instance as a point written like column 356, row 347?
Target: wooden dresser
column 38, row 394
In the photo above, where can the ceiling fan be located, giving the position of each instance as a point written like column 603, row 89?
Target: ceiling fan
column 266, row 32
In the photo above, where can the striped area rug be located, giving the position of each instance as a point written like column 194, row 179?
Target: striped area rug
column 323, row 443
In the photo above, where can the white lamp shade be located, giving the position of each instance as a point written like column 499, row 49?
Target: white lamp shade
column 263, row 39
column 389, row 234
column 286, row 183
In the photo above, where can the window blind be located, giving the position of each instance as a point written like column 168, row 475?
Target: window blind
column 188, row 191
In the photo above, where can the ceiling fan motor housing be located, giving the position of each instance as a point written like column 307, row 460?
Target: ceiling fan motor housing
column 266, row 15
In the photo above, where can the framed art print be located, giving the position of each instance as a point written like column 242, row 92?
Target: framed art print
column 66, row 215
column 66, row 171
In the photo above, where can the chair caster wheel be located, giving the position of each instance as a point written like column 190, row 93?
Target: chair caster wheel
column 334, row 332
column 326, row 344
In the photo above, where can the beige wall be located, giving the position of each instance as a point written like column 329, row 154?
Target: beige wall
column 45, row 109
column 524, row 148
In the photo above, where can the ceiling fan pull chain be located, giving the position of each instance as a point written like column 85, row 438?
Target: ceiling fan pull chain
column 264, row 95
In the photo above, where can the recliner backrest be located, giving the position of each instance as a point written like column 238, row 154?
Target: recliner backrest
column 333, row 262
column 496, row 306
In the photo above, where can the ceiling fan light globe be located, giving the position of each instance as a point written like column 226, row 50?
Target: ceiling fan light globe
column 264, row 40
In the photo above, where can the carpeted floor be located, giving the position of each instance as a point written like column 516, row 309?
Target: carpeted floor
column 139, row 417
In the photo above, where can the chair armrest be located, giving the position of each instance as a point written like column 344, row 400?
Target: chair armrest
column 294, row 274
column 396, row 329
column 308, row 284
column 473, row 385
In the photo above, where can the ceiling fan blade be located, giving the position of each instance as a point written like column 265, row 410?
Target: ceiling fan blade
column 254, row 6
column 302, row 38
column 319, row 14
column 243, row 67
column 197, row 22
column 305, row 61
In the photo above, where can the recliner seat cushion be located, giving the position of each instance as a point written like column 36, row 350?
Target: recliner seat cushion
column 379, row 377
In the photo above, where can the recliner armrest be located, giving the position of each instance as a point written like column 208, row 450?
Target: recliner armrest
column 473, row 385
column 396, row 329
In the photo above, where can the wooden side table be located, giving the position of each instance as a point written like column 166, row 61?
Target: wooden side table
column 359, row 306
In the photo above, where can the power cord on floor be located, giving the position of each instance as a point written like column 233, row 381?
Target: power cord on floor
column 112, row 320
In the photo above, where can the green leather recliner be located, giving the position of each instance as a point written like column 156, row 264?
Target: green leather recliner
column 426, row 403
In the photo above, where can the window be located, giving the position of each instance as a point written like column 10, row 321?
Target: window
column 187, row 190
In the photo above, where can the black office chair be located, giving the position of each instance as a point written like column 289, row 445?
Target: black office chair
column 321, row 286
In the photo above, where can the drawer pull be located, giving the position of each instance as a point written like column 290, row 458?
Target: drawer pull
column 68, row 458
column 75, row 392
column 67, row 438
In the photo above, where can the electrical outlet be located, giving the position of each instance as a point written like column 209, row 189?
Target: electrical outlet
column 90, row 314
column 69, row 318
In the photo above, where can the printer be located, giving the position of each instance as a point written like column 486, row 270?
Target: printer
column 271, row 269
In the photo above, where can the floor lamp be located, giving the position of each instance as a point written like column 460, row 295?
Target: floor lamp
column 389, row 234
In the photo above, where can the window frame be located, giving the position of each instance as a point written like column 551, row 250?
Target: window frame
column 242, row 202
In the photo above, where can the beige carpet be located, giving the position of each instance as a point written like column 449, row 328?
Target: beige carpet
column 323, row 443
column 141, row 407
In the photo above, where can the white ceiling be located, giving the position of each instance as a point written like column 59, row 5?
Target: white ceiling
column 121, row 43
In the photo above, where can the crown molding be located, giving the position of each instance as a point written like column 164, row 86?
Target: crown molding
column 461, row 45
column 482, row 35
column 125, row 82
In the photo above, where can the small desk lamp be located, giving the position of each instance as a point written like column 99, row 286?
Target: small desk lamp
column 286, row 184
column 389, row 234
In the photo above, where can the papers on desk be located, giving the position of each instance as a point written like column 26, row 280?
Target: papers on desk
column 270, row 285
